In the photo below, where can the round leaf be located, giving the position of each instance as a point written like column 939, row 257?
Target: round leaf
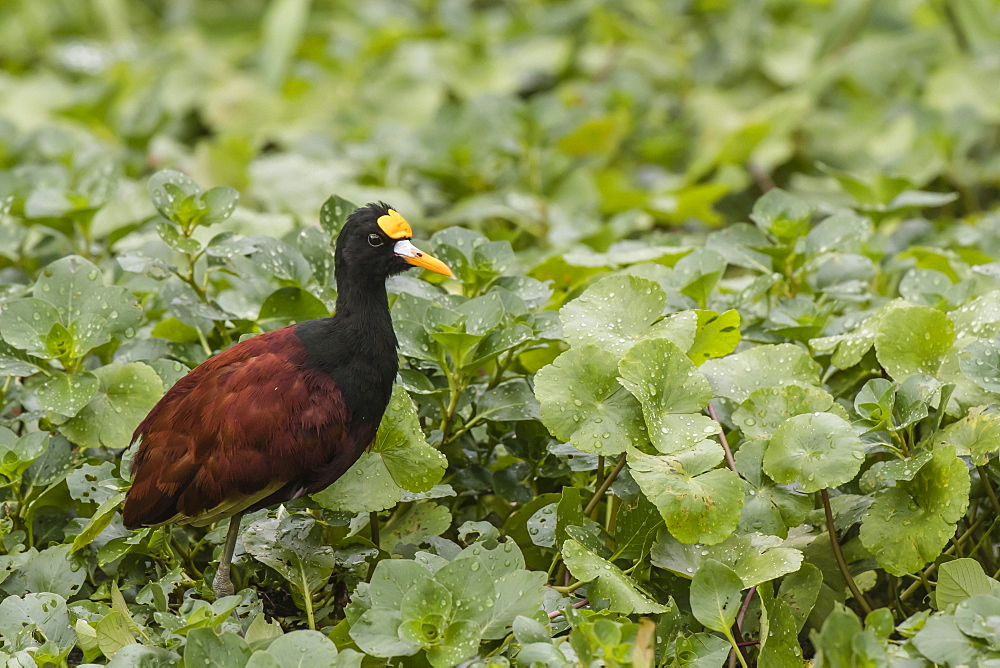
column 980, row 362
column 26, row 323
column 700, row 503
column 736, row 376
column 767, row 408
column 913, row 339
column 817, row 450
column 910, row 524
column 613, row 313
column 125, row 394
column 67, row 394
column 755, row 558
column 582, row 402
column 672, row 393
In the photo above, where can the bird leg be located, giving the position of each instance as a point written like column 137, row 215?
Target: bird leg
column 222, row 584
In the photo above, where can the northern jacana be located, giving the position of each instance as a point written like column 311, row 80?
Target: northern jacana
column 282, row 414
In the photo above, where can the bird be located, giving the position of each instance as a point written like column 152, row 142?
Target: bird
column 282, row 414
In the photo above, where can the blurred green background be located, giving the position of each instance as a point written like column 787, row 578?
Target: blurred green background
column 553, row 122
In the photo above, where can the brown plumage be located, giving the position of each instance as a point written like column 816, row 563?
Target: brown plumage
column 252, row 418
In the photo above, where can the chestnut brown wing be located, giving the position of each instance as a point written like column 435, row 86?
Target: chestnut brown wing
column 251, row 424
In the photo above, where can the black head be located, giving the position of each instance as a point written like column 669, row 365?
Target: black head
column 375, row 244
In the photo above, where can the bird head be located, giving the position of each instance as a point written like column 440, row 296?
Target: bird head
column 376, row 240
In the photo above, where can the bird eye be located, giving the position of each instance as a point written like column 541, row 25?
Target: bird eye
column 374, row 240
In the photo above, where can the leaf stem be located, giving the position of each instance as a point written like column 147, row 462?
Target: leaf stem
column 909, row 591
column 839, row 555
column 730, row 461
column 739, row 651
column 569, row 589
column 373, row 525
column 562, row 611
column 596, row 499
column 743, row 608
column 984, row 475
column 737, row 630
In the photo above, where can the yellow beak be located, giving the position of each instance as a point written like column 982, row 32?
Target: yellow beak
column 417, row 257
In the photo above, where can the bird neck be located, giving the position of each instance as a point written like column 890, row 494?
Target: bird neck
column 359, row 333
column 357, row 347
column 362, row 303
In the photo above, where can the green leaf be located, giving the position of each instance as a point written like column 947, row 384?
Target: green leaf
column 334, row 213
column 943, row 642
column 143, row 656
column 843, row 232
column 582, row 402
column 168, row 189
column 221, row 203
column 426, row 599
column 98, row 522
column 715, row 596
column 623, row 595
column 205, row 647
column 377, row 632
column 876, row 401
column 755, row 558
column 517, row 593
column 980, row 362
column 778, row 631
column 569, row 512
column 17, row 453
column 767, row 409
column 26, row 323
column 125, row 395
column 289, row 305
column 977, row 617
column 959, row 579
column 613, row 313
column 75, row 286
column 294, row 546
column 459, row 642
column 541, row 525
column 51, row 570
column 298, row 649
column 510, row 401
column 113, row 633
column 399, row 459
column 67, row 394
column 697, row 273
column 392, row 579
column 847, row 349
column 418, row 522
column 913, row 339
column 835, row 642
column 718, row 335
column 636, row 527
column 699, row 502
column 781, row 215
column 767, row 507
column 672, row 393
column 817, row 450
column 736, row 376
column 908, row 525
column 977, row 435
column 800, row 591
column 261, row 630
column 25, row 620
